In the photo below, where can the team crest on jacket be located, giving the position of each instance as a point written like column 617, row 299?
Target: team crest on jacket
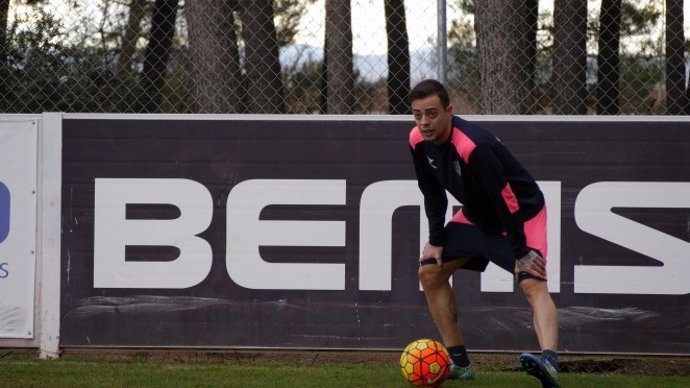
column 431, row 162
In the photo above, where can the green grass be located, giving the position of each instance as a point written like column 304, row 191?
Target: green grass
column 27, row 371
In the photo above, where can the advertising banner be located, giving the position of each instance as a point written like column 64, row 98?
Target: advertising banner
column 303, row 232
column 18, row 148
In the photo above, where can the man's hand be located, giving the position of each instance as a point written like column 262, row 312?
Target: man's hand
column 531, row 263
column 432, row 252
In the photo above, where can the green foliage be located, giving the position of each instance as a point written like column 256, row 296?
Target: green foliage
column 53, row 67
column 303, row 85
column 640, row 93
column 462, row 33
column 44, row 74
column 639, row 19
column 287, row 17
column 177, row 96
column 467, row 6
column 66, row 79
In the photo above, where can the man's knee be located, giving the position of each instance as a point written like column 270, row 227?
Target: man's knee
column 533, row 288
column 430, row 276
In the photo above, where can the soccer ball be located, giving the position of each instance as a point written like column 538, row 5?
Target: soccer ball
column 425, row 363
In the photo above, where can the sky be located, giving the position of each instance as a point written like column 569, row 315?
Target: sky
column 368, row 22
column 368, row 25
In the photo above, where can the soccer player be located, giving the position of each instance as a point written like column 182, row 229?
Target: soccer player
column 502, row 220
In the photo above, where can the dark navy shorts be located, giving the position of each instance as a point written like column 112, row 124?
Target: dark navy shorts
column 463, row 239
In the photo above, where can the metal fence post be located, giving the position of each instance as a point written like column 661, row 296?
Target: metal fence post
column 442, row 42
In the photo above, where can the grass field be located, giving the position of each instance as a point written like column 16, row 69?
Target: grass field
column 26, row 370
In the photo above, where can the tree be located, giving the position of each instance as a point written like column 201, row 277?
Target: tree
column 676, row 100
column 264, row 86
column 569, row 77
column 398, row 57
column 4, row 51
column 338, row 58
column 526, row 24
column 608, row 59
column 4, row 10
column 137, row 10
column 158, row 52
column 287, row 18
column 214, row 57
column 504, row 80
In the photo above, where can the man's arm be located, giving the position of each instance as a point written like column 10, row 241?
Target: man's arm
column 435, row 200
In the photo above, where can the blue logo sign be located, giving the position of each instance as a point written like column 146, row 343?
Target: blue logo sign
column 4, row 212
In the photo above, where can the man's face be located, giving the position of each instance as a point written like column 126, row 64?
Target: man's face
column 433, row 121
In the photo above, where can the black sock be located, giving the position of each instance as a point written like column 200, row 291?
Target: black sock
column 551, row 357
column 459, row 355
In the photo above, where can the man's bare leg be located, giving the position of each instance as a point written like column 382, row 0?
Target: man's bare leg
column 442, row 305
column 441, row 299
column 544, row 311
column 545, row 318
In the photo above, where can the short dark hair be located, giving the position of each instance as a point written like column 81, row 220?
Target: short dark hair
column 427, row 88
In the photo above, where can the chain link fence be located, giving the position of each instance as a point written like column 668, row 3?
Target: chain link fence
column 343, row 57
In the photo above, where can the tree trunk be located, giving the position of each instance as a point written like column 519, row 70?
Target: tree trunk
column 4, row 10
column 339, row 69
column 676, row 101
column 569, row 79
column 608, row 60
column 214, row 56
column 504, row 79
column 398, row 57
column 137, row 9
column 264, row 89
column 158, row 53
column 527, row 24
